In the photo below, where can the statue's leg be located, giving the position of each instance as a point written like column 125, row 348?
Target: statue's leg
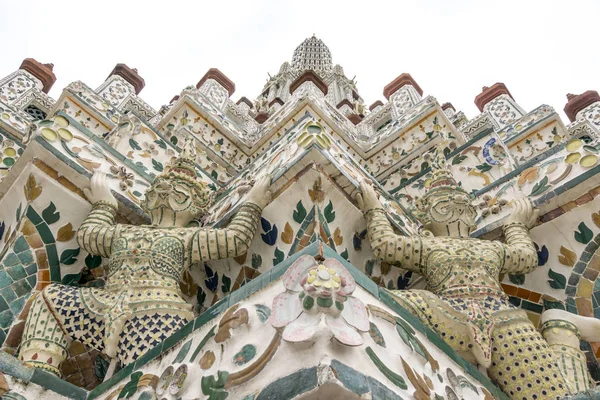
column 44, row 343
column 57, row 317
column 144, row 332
column 523, row 364
column 452, row 326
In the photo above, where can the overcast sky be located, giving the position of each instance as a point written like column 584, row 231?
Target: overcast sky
column 541, row 50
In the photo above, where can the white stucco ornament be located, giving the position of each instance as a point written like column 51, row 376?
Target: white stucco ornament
column 318, row 293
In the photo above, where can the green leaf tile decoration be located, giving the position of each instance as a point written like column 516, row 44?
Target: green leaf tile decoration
column 68, row 256
column 256, row 261
column 246, row 354
column 131, row 386
column 540, row 187
column 50, row 214
column 376, row 335
column 71, row 279
column 185, row 349
column 584, row 235
column 388, row 373
column 225, row 284
column 92, row 261
column 134, row 145
column 203, row 342
column 279, row 256
column 329, row 213
column 558, row 281
column 214, row 387
column 549, row 305
column 263, row 312
column 344, row 254
column 299, row 212
column 157, row 165
column 516, row 279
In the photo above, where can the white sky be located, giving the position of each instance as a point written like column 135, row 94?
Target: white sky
column 541, row 50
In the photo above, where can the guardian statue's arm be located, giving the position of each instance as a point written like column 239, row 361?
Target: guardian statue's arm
column 96, row 233
column 235, row 239
column 520, row 255
column 386, row 245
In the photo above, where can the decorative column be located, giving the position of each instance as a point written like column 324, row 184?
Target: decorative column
column 499, row 104
column 403, row 92
column 448, row 109
column 376, row 106
column 120, row 84
column 216, row 87
column 584, row 106
column 244, row 104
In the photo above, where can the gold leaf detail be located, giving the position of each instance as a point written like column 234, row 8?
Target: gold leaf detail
column 316, row 194
column 528, row 175
column 88, row 164
column 187, row 284
column 241, row 259
column 337, row 237
column 288, row 234
column 65, row 233
column 481, row 175
column 567, row 257
column 207, row 360
column 32, row 189
column 596, row 219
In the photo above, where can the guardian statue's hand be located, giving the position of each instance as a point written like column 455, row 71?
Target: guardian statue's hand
column 260, row 193
column 99, row 189
column 524, row 212
column 367, row 199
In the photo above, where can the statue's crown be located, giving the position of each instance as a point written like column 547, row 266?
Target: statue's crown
column 185, row 164
column 441, row 174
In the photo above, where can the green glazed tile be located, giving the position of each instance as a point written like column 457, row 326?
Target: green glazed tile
column 21, row 288
column 17, row 272
column 11, row 259
column 20, row 245
column 57, row 385
column 6, row 318
column 3, row 305
column 8, row 293
column 26, row 257
column 45, row 233
column 5, row 279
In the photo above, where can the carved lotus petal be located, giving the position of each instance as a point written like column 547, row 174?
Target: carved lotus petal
column 343, row 273
column 302, row 329
column 286, row 308
column 292, row 277
column 343, row 332
column 355, row 313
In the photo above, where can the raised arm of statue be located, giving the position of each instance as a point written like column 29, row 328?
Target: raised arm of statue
column 235, row 239
column 386, row 245
column 520, row 255
column 96, row 233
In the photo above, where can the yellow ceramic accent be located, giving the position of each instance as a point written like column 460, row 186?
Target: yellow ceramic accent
column 10, row 152
column 336, row 278
column 311, row 279
column 589, row 161
column 65, row 134
column 61, row 121
column 331, row 271
column 317, row 283
column 572, row 158
column 321, row 267
column 114, row 119
column 49, row 134
column 327, row 285
column 313, row 272
column 574, row 144
column 335, row 284
column 5, row 116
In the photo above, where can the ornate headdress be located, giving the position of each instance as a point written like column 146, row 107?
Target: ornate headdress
column 442, row 179
column 184, row 168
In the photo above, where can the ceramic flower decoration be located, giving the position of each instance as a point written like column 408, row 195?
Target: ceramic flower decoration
column 317, row 293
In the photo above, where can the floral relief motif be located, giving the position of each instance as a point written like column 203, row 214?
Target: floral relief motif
column 316, row 293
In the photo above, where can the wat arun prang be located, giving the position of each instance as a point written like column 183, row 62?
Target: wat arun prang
column 300, row 244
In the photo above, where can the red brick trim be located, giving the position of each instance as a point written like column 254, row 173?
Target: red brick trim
column 309, row 76
column 244, row 99
column 403, row 80
column 577, row 103
column 375, row 104
column 41, row 71
column 346, row 102
column 130, row 75
column 220, row 77
column 490, row 93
